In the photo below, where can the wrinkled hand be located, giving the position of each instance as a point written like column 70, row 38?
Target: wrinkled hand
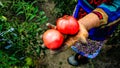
column 80, row 36
column 71, row 39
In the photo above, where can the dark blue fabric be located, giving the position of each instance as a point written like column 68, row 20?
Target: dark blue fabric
column 81, row 4
column 76, row 11
column 98, row 33
column 112, row 15
column 87, row 8
column 101, row 34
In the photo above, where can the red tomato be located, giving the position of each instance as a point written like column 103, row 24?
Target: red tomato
column 67, row 25
column 53, row 39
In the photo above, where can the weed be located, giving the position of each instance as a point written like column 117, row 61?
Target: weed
column 20, row 30
column 63, row 7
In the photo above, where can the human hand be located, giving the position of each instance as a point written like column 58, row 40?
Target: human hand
column 81, row 36
column 70, row 39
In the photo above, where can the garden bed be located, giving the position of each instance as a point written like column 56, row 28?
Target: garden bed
column 21, row 25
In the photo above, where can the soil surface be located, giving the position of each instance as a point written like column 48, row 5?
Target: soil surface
column 108, row 58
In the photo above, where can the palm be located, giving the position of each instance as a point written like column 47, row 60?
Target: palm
column 80, row 36
column 69, row 39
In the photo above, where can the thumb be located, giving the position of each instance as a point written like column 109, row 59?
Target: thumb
column 83, row 34
column 83, row 39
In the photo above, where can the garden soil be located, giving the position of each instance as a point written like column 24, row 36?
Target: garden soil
column 108, row 57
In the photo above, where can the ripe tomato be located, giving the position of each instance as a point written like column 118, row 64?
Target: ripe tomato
column 67, row 25
column 53, row 39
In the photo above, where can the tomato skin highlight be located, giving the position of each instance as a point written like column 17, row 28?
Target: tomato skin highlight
column 53, row 39
column 67, row 25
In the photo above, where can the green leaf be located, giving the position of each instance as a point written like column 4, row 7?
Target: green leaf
column 21, row 12
column 1, row 4
column 29, row 61
column 0, row 28
column 18, row 9
column 43, row 21
column 33, row 2
column 39, row 29
column 28, row 8
column 38, row 20
column 12, row 58
column 4, row 18
column 44, row 17
column 41, row 13
column 38, row 51
column 35, row 10
column 31, row 17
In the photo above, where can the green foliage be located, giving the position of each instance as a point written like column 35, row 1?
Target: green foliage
column 64, row 7
column 27, row 10
column 1, row 4
column 20, row 29
column 21, row 24
column 6, row 60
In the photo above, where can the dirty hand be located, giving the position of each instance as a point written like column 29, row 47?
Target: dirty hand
column 71, row 39
column 81, row 36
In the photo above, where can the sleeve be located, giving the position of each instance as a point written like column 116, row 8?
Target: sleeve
column 112, row 10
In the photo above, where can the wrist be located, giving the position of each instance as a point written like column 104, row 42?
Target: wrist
column 94, row 19
column 89, row 21
column 103, row 17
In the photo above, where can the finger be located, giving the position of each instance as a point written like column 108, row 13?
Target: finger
column 83, row 34
column 70, row 41
column 83, row 40
column 83, row 37
column 50, row 26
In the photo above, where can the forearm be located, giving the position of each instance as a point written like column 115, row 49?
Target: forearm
column 89, row 21
column 92, row 20
column 110, row 13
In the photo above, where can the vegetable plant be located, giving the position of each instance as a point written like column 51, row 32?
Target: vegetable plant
column 28, row 11
column 20, row 29
column 63, row 7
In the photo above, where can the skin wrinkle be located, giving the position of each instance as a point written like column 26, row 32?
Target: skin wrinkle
column 86, row 23
column 90, row 21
